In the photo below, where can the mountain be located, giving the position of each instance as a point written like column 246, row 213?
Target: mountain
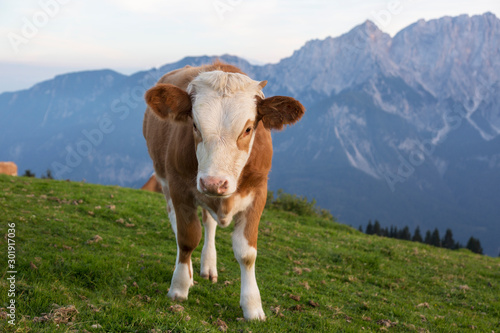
column 404, row 129
column 410, row 137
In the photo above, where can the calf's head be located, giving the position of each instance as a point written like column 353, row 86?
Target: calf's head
column 224, row 110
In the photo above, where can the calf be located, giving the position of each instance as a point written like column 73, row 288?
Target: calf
column 8, row 168
column 152, row 185
column 208, row 133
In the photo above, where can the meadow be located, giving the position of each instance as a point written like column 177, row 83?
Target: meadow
column 93, row 258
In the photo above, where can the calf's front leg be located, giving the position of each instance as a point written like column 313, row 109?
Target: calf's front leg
column 208, row 253
column 188, row 234
column 245, row 251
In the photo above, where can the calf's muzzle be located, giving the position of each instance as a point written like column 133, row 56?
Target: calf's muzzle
column 214, row 185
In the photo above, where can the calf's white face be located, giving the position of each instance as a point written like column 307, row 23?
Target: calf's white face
column 224, row 112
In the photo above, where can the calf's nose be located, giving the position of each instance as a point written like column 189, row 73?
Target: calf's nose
column 214, row 185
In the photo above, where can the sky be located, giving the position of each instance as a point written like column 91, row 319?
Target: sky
column 42, row 38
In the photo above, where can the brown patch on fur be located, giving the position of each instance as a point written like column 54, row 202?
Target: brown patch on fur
column 253, row 179
column 253, row 215
column 277, row 111
column 245, row 137
column 249, row 261
column 220, row 66
column 226, row 206
column 183, row 76
column 188, row 226
column 169, row 102
column 255, row 172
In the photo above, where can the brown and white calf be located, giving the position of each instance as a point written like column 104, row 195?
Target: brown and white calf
column 8, row 168
column 208, row 133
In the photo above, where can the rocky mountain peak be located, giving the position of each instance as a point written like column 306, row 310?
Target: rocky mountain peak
column 335, row 63
column 367, row 29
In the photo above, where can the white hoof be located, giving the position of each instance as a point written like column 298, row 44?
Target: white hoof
column 177, row 295
column 181, row 281
column 209, row 273
column 208, row 269
column 254, row 314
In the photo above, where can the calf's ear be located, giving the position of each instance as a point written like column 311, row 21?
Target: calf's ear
column 278, row 111
column 169, row 102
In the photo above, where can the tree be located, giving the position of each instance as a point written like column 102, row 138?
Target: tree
column 376, row 228
column 435, row 239
column 393, row 233
column 428, row 237
column 28, row 173
column 369, row 228
column 448, row 241
column 474, row 245
column 360, row 228
column 48, row 175
column 417, row 237
column 405, row 234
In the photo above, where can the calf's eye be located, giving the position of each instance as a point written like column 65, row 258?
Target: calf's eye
column 248, row 130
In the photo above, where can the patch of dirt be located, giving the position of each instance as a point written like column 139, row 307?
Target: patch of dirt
column 305, row 284
column 386, row 323
column 95, row 239
column 60, row 315
column 423, row 305
column 221, row 325
column 313, row 304
column 176, row 308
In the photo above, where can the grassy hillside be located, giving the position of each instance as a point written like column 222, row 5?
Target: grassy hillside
column 314, row 275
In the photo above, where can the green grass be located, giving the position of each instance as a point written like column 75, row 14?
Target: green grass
column 347, row 281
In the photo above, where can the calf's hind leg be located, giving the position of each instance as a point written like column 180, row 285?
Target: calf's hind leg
column 170, row 211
